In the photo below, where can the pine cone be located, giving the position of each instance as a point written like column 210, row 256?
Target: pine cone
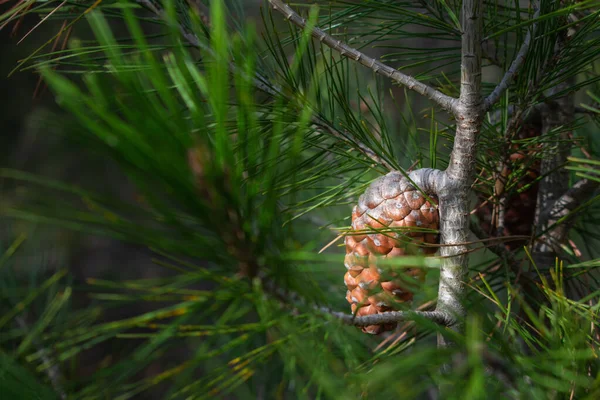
column 392, row 219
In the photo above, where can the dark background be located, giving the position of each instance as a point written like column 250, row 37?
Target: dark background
column 38, row 137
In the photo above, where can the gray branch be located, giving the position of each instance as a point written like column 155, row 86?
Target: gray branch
column 438, row 317
column 454, row 186
column 287, row 297
column 513, row 69
column 445, row 101
column 470, row 83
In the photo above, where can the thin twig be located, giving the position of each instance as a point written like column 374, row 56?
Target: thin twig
column 287, row 297
column 445, row 101
column 513, row 69
column 438, row 317
column 42, row 21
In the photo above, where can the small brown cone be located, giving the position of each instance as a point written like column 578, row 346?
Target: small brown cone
column 388, row 221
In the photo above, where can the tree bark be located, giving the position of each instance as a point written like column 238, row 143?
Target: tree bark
column 454, row 189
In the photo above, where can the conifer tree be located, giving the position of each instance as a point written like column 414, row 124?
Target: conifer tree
column 447, row 148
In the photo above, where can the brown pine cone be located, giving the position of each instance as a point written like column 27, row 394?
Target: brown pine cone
column 392, row 219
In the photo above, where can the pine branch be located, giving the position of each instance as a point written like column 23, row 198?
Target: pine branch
column 470, row 85
column 454, row 188
column 262, row 84
column 438, row 317
column 445, row 101
column 288, row 298
column 513, row 69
